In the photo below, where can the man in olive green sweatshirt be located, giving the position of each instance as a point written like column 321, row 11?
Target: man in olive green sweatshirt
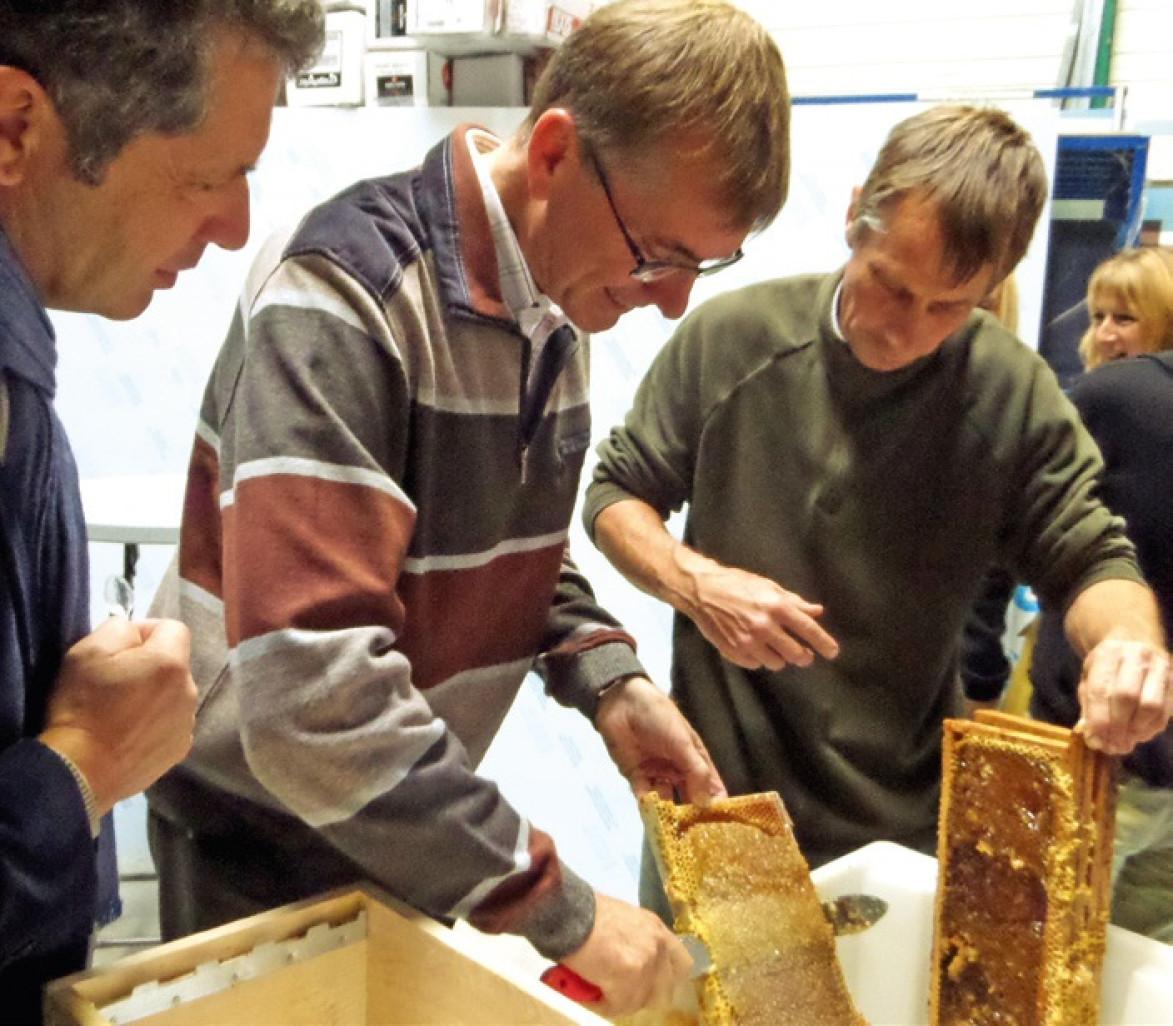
column 855, row 450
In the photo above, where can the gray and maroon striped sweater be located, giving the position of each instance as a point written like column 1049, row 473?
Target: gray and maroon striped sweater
column 368, row 574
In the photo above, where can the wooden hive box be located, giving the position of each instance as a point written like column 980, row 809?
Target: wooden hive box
column 350, row 958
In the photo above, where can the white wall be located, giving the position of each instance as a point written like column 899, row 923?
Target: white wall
column 1142, row 59
column 935, row 47
column 926, row 46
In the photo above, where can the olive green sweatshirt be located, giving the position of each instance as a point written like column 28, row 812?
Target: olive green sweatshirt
column 884, row 496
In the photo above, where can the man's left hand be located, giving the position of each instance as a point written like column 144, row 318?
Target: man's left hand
column 1125, row 694
column 654, row 746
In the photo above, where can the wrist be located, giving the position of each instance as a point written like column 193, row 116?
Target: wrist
column 609, row 692
column 76, row 749
column 682, row 587
column 89, row 799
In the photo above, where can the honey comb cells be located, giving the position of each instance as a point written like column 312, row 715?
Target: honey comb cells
column 735, row 877
column 1025, row 847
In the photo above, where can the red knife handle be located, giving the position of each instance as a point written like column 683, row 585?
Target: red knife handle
column 568, row 983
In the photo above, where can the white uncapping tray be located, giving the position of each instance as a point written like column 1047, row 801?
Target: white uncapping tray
column 887, row 966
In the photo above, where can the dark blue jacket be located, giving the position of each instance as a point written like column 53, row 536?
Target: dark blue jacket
column 1127, row 405
column 48, row 874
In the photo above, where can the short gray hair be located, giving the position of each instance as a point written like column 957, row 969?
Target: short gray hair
column 119, row 69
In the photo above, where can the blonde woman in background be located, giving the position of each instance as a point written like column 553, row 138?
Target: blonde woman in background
column 1130, row 304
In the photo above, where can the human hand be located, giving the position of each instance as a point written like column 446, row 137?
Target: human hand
column 123, row 707
column 754, row 622
column 1125, row 695
column 632, row 957
column 654, row 746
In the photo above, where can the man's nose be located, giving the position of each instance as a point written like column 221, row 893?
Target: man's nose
column 671, row 294
column 911, row 331
column 229, row 221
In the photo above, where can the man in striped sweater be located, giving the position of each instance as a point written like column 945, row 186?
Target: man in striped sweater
column 374, row 547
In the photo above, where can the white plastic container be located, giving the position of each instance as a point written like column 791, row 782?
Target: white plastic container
column 887, row 966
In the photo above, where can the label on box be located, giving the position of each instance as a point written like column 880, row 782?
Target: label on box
column 439, row 16
column 564, row 17
column 337, row 77
column 327, row 73
column 402, row 78
column 394, row 90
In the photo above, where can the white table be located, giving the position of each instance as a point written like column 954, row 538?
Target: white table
column 133, row 511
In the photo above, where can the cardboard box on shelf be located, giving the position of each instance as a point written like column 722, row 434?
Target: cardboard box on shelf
column 445, row 17
column 406, row 78
column 337, row 77
column 469, row 26
column 348, row 958
column 489, row 80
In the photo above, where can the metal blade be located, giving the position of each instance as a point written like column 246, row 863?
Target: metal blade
column 853, row 913
column 698, row 951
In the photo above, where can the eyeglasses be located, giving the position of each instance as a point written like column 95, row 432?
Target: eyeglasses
column 646, row 270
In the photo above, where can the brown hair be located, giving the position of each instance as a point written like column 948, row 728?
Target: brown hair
column 980, row 168
column 642, row 74
column 1140, row 280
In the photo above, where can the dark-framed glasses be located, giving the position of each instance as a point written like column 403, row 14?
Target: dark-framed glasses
column 648, row 271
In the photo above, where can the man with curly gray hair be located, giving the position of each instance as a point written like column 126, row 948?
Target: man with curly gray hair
column 127, row 128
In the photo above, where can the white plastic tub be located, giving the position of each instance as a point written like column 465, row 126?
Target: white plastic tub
column 887, row 967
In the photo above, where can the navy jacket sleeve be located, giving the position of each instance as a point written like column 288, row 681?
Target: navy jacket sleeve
column 47, row 879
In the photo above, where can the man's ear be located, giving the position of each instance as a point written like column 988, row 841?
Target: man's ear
column 25, row 110
column 553, row 148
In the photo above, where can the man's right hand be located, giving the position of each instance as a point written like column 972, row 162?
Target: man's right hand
column 753, row 621
column 632, row 957
column 123, row 707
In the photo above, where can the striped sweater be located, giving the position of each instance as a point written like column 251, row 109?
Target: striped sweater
column 367, row 573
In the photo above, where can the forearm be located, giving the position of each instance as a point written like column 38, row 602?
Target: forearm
column 632, row 536
column 1119, row 609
